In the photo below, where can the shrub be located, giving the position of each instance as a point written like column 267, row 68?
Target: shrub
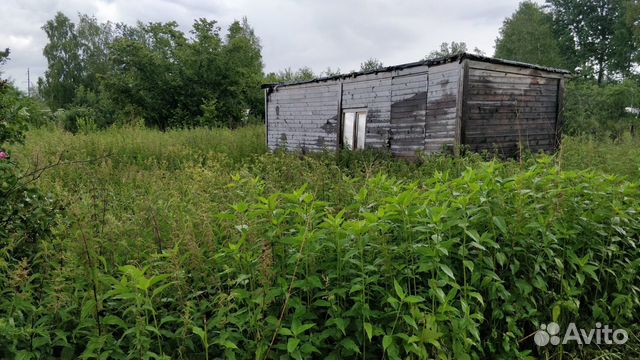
column 76, row 117
column 27, row 218
column 600, row 110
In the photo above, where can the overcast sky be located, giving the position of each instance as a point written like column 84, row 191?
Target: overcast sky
column 319, row 34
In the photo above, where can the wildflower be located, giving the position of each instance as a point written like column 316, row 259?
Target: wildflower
column 3, row 155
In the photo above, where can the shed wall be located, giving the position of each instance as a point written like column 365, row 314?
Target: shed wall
column 303, row 116
column 484, row 105
column 506, row 106
column 408, row 109
column 373, row 93
column 441, row 106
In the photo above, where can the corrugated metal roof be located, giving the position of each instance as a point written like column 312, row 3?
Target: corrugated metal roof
column 429, row 62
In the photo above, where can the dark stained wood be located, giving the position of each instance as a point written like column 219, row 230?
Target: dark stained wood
column 266, row 116
column 509, row 108
column 559, row 124
column 424, row 107
column 408, row 111
column 513, row 69
column 463, row 88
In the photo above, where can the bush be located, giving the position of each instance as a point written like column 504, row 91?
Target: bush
column 600, row 110
column 436, row 268
column 27, row 218
column 76, row 117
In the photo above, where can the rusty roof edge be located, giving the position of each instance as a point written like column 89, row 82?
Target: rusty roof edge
column 429, row 62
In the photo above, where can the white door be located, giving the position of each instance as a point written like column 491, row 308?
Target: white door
column 354, row 129
column 348, row 126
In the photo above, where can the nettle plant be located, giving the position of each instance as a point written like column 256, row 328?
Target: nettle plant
column 464, row 268
column 467, row 263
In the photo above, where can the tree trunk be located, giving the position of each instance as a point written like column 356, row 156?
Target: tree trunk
column 600, row 71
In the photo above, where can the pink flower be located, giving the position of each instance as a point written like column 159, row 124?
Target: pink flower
column 3, row 155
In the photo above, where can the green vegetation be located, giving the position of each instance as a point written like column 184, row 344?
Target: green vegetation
column 620, row 156
column 371, row 64
column 103, row 74
column 529, row 36
column 450, row 49
column 197, row 243
column 599, row 111
column 118, row 73
column 599, row 35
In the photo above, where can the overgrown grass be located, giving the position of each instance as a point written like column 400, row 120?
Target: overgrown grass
column 147, row 149
column 620, row 157
column 199, row 244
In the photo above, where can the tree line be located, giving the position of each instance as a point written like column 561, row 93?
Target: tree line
column 118, row 73
column 599, row 38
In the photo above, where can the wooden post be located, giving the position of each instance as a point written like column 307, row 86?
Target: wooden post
column 559, row 116
column 461, row 104
column 266, row 116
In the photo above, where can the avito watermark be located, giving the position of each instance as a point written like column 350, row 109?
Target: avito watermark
column 601, row 335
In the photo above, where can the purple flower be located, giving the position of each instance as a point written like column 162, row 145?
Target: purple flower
column 3, row 155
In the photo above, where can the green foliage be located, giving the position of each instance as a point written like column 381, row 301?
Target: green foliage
column 371, row 64
column 603, row 34
column 4, row 56
column 600, row 110
column 122, row 73
column 447, row 49
column 528, row 36
column 450, row 49
column 197, row 244
column 74, row 119
column 331, row 72
column 62, row 52
column 288, row 75
column 13, row 116
column 27, row 218
column 620, row 155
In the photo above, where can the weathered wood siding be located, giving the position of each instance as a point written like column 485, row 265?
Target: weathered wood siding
column 303, row 117
column 373, row 93
column 509, row 106
column 441, row 106
column 431, row 107
column 408, row 110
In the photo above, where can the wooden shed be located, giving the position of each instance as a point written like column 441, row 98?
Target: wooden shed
column 428, row 106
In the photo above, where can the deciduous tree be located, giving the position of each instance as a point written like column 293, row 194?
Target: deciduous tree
column 63, row 75
column 603, row 34
column 528, row 36
column 371, row 64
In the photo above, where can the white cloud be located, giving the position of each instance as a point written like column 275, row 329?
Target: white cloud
column 320, row 34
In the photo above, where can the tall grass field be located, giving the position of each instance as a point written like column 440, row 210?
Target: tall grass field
column 201, row 244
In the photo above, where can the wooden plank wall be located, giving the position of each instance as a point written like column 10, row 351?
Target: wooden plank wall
column 373, row 93
column 441, row 107
column 507, row 106
column 303, row 116
column 408, row 109
column 416, row 108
